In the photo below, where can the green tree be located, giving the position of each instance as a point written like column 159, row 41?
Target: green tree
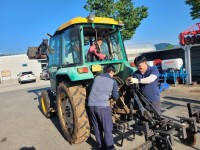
column 122, row 10
column 161, row 46
column 195, row 9
column 170, row 46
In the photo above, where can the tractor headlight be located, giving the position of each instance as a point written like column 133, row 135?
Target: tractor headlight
column 91, row 17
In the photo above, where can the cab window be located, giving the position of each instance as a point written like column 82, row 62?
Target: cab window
column 55, row 47
column 72, row 46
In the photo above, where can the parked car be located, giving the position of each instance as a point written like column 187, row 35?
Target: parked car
column 26, row 76
column 44, row 75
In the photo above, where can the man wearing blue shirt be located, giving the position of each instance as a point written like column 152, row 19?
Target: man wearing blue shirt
column 147, row 77
column 100, row 110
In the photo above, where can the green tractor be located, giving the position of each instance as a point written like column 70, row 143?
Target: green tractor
column 72, row 72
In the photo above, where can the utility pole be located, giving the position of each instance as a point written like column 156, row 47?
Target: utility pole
column 187, row 38
column 187, row 55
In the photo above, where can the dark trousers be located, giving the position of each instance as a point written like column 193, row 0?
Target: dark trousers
column 101, row 120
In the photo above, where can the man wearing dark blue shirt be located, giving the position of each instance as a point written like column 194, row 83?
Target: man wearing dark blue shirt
column 100, row 111
column 147, row 77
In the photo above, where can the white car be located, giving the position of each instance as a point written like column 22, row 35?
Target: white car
column 44, row 75
column 26, row 76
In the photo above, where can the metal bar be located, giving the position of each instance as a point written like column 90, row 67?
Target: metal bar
column 163, row 142
column 149, row 105
column 168, row 135
column 193, row 113
column 190, row 111
column 191, row 122
column 123, row 133
column 144, row 112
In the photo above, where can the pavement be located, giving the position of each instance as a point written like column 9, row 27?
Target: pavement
column 11, row 85
column 23, row 127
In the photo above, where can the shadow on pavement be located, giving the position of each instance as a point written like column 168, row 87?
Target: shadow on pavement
column 182, row 99
column 118, row 136
column 28, row 148
column 171, row 102
column 92, row 143
column 169, row 105
column 38, row 91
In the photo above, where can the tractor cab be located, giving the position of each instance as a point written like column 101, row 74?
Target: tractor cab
column 74, row 50
column 73, row 40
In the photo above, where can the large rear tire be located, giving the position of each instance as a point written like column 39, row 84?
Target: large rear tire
column 47, row 103
column 71, row 109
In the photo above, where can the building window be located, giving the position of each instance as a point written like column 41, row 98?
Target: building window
column 24, row 65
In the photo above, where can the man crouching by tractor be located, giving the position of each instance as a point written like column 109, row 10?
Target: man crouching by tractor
column 100, row 110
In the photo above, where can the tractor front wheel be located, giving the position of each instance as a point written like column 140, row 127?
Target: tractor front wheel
column 47, row 104
column 71, row 109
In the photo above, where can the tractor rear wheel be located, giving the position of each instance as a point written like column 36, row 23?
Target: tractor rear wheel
column 47, row 104
column 71, row 109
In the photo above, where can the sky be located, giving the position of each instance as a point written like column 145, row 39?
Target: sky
column 24, row 23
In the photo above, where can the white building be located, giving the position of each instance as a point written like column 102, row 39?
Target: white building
column 18, row 63
column 133, row 50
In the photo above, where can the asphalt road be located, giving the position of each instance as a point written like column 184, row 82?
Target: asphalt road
column 23, row 126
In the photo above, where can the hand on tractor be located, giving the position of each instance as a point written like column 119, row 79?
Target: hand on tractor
column 131, row 80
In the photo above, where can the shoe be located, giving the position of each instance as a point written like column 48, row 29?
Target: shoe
column 101, row 148
column 110, row 148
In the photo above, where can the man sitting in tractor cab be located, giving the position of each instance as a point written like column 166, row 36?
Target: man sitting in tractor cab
column 94, row 52
column 75, row 48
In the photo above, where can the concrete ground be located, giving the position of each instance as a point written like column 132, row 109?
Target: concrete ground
column 23, row 126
